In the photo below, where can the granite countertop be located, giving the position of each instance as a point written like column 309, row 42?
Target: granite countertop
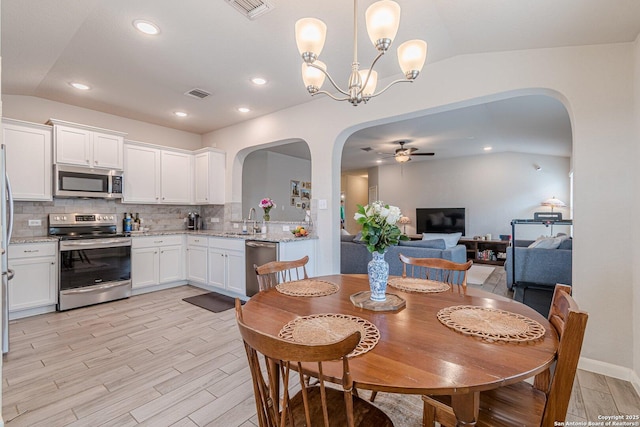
column 270, row 237
column 32, row 239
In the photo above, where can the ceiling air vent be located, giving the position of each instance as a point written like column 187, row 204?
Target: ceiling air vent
column 251, row 8
column 198, row 93
column 367, row 149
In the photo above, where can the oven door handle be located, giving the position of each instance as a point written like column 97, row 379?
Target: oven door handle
column 93, row 244
column 94, row 288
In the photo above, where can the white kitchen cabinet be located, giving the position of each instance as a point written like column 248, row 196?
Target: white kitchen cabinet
column 35, row 283
column 154, row 175
column 209, row 177
column 177, row 177
column 227, row 265
column 141, row 174
column 156, row 260
column 87, row 146
column 29, row 159
column 296, row 249
column 197, row 259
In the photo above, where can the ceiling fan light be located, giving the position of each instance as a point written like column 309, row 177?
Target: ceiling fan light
column 383, row 20
column 310, row 37
column 411, row 57
column 370, row 87
column 402, row 158
column 312, row 77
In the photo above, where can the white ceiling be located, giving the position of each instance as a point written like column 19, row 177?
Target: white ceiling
column 207, row 44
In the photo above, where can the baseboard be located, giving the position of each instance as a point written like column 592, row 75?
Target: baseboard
column 218, row 290
column 610, row 370
column 153, row 288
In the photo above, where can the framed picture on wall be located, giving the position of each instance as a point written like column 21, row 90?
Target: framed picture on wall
column 306, row 184
column 299, row 205
column 295, row 188
column 305, row 193
column 373, row 194
column 303, row 205
column 293, row 201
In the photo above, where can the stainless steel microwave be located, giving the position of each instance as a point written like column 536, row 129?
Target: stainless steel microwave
column 82, row 182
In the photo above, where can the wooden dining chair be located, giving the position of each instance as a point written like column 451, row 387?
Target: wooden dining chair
column 441, row 270
column 274, row 272
column 546, row 401
column 317, row 405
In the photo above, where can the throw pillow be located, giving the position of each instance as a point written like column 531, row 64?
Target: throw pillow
column 450, row 239
column 358, row 238
column 546, row 243
column 430, row 244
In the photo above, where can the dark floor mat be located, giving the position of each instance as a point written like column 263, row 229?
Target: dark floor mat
column 212, row 301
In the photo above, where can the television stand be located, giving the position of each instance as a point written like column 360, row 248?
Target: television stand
column 492, row 252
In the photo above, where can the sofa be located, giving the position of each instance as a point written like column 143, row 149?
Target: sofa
column 354, row 255
column 537, row 270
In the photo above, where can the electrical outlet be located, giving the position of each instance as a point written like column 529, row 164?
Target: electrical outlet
column 236, row 225
column 322, row 204
column 215, row 219
column 285, row 228
column 35, row 223
column 184, row 220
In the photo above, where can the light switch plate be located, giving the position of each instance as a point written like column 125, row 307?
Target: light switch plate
column 215, row 219
column 322, row 204
column 236, row 225
column 285, row 228
column 35, row 223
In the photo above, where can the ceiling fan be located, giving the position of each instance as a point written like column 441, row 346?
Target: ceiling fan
column 403, row 155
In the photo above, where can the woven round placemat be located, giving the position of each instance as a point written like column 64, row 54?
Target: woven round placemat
column 413, row 284
column 307, row 288
column 491, row 324
column 330, row 327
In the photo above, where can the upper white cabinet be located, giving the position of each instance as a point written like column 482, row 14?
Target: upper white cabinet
column 87, row 146
column 177, row 177
column 29, row 162
column 209, row 172
column 153, row 175
column 141, row 174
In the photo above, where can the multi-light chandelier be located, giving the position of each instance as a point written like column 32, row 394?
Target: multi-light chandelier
column 383, row 19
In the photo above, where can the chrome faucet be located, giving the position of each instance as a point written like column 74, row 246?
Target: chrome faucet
column 255, row 226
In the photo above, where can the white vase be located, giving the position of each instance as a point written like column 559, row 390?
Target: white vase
column 378, row 270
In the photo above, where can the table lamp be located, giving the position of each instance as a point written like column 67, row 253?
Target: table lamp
column 404, row 220
column 554, row 203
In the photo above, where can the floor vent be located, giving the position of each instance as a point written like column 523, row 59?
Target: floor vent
column 251, row 8
column 198, row 93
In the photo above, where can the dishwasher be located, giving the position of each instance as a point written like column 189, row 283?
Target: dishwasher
column 258, row 253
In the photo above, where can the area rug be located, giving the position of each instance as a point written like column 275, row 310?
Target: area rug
column 478, row 274
column 212, row 301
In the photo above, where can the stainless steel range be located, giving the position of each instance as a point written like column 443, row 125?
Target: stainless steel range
column 95, row 261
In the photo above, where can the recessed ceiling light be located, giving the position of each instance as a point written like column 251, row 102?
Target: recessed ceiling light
column 243, row 109
column 80, row 86
column 180, row 113
column 379, row 161
column 258, row 81
column 146, row 27
column 488, row 148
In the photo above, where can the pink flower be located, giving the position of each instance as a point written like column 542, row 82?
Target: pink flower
column 267, row 203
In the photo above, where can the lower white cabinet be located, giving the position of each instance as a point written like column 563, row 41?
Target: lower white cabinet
column 156, row 260
column 197, row 259
column 35, row 283
column 227, row 265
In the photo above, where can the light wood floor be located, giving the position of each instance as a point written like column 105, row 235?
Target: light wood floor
column 156, row 360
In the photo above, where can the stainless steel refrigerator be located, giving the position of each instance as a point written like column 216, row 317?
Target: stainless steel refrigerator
column 6, row 225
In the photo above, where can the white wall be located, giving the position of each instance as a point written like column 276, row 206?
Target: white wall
column 595, row 83
column 636, row 248
column 356, row 191
column 39, row 110
column 269, row 174
column 493, row 188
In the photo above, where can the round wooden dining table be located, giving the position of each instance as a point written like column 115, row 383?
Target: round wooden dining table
column 416, row 353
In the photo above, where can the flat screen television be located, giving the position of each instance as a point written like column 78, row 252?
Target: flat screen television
column 441, row 220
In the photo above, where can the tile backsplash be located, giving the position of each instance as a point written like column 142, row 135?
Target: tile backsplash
column 156, row 217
